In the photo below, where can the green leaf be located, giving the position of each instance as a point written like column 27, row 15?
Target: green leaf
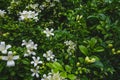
column 1, row 67
column 98, row 64
column 25, row 62
column 63, row 74
column 68, row 68
column 50, row 65
column 71, row 76
column 83, row 49
column 98, row 49
column 92, row 42
column 81, row 59
column 56, row 66
column 84, row 78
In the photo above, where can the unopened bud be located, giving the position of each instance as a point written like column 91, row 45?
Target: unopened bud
column 78, row 64
column 118, row 51
column 110, row 45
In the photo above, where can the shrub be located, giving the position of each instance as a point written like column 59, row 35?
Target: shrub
column 58, row 40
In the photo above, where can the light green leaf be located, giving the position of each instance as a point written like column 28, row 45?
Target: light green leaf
column 68, row 68
column 63, row 74
column 71, row 76
column 92, row 42
column 83, row 49
column 98, row 49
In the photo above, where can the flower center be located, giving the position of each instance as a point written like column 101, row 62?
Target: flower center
column 10, row 57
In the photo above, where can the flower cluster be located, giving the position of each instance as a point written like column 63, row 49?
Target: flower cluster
column 10, row 56
column 71, row 46
column 34, row 7
column 30, row 47
column 2, row 13
column 52, row 76
column 49, row 56
column 28, row 15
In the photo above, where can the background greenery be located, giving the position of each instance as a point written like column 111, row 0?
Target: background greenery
column 93, row 25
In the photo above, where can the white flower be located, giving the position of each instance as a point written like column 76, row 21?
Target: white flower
column 49, row 55
column 36, row 61
column 48, row 32
column 3, row 47
column 56, row 76
column 28, row 53
column 10, row 59
column 29, row 45
column 45, row 77
column 35, row 72
column 52, row 76
column 69, row 43
column 71, row 46
column 28, row 15
column 33, row 6
column 2, row 13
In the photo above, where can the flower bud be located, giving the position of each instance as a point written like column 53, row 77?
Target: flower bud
column 78, row 64
column 110, row 45
column 118, row 51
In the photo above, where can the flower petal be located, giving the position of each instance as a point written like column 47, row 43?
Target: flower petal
column 4, row 58
column 8, row 46
column 33, row 74
column 4, row 51
column 32, row 62
column 10, row 63
column 37, row 75
column 15, row 57
column 34, row 58
column 10, row 53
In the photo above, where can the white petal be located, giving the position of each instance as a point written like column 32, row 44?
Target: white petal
column 48, row 59
column 40, row 62
column 10, row 63
column 25, row 55
column 24, row 42
column 2, row 43
column 32, row 62
column 8, row 46
column 37, row 75
column 52, row 30
column 47, row 29
column 33, row 74
column 15, row 57
column 35, row 64
column 44, row 31
column 34, row 58
column 44, row 55
column 4, row 58
column 10, row 53
column 38, row 58
column 48, row 35
column 33, row 53
column 4, row 51
column 31, row 70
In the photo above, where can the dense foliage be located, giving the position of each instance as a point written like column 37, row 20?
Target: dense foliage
column 74, row 39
